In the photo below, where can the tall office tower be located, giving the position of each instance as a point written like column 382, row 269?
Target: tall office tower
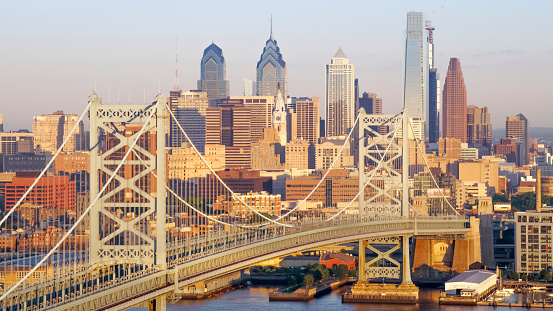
column 479, row 128
column 433, row 90
column 455, row 103
column 279, row 117
column 340, row 93
column 261, row 109
column 356, row 91
column 1, row 123
column 271, row 69
column 517, row 127
column 371, row 103
column 214, row 75
column 308, row 126
column 230, row 125
column 51, row 129
column 190, row 110
column 415, row 74
column 249, row 87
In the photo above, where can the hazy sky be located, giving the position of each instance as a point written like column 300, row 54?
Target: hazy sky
column 52, row 52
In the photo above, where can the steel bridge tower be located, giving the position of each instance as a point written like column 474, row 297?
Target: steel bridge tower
column 386, row 194
column 127, row 222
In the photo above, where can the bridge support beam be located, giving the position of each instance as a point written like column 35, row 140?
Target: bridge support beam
column 386, row 267
column 159, row 303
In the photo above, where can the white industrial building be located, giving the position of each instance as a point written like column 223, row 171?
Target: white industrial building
column 475, row 281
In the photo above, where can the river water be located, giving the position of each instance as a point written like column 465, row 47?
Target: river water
column 255, row 298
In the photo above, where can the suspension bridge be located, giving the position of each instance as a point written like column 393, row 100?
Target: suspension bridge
column 135, row 238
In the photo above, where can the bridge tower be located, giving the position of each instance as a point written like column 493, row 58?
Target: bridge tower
column 386, row 194
column 127, row 222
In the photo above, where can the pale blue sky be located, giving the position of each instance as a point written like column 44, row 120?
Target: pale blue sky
column 52, row 52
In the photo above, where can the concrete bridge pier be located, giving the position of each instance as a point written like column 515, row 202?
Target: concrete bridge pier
column 159, row 303
column 364, row 291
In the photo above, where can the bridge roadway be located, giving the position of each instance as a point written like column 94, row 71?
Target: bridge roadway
column 211, row 259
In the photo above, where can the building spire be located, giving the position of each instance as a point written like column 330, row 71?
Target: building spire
column 272, row 38
column 176, row 86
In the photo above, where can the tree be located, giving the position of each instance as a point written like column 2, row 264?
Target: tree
column 292, row 281
column 525, row 201
column 352, row 273
column 308, row 280
column 341, row 271
column 501, row 198
column 254, row 218
column 513, row 275
column 343, row 250
column 325, row 273
column 544, row 274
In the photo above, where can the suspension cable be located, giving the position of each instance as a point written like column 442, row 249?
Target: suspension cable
column 219, row 178
column 47, row 166
column 428, row 167
column 374, row 171
column 154, row 109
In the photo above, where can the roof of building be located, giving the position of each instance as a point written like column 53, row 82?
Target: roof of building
column 472, row 276
column 339, row 256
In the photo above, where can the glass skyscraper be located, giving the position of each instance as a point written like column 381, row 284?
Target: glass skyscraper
column 271, row 70
column 415, row 74
column 433, row 120
column 213, row 75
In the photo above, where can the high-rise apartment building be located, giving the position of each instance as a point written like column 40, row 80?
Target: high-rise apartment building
column 50, row 191
column 271, row 69
column 261, row 109
column 307, row 114
column 298, row 154
column 328, row 150
column 14, row 142
column 340, row 95
column 479, row 128
column 507, row 148
column 455, row 102
column 415, row 74
column 50, row 130
column 214, row 75
column 249, row 88
column 230, row 125
column 189, row 108
column 433, row 120
column 517, row 127
column 1, row 123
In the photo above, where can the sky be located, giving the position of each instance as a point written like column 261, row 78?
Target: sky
column 54, row 53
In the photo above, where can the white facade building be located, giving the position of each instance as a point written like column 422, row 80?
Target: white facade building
column 340, row 95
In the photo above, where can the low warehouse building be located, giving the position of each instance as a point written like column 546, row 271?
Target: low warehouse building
column 475, row 282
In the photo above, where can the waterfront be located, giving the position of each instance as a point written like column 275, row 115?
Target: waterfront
column 255, row 298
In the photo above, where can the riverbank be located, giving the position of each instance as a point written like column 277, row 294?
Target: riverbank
column 307, row 293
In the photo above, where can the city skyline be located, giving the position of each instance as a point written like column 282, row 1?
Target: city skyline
column 61, row 64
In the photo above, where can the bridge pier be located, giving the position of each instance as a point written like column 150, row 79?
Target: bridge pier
column 364, row 291
column 159, row 303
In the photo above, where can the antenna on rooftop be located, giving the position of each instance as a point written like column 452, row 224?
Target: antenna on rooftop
column 176, row 86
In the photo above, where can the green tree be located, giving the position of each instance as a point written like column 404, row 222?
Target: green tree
column 341, row 271
column 524, row 201
column 308, row 280
column 292, row 281
column 501, row 198
column 524, row 277
column 255, row 218
column 343, row 250
column 513, row 275
column 352, row 273
column 544, row 274
column 325, row 273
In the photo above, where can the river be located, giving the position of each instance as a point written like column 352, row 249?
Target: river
column 255, row 298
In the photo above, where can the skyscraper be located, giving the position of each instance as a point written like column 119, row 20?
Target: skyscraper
column 1, row 123
column 479, row 129
column 271, row 69
column 455, row 103
column 517, row 127
column 189, row 109
column 433, row 90
column 340, row 95
column 371, row 103
column 214, row 75
column 308, row 120
column 50, row 130
column 230, row 125
column 415, row 74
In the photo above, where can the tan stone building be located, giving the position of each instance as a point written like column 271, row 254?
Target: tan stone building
column 297, row 154
column 264, row 155
column 261, row 202
column 51, row 129
column 340, row 187
column 328, row 150
column 184, row 163
column 482, row 171
column 308, row 120
column 450, row 147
